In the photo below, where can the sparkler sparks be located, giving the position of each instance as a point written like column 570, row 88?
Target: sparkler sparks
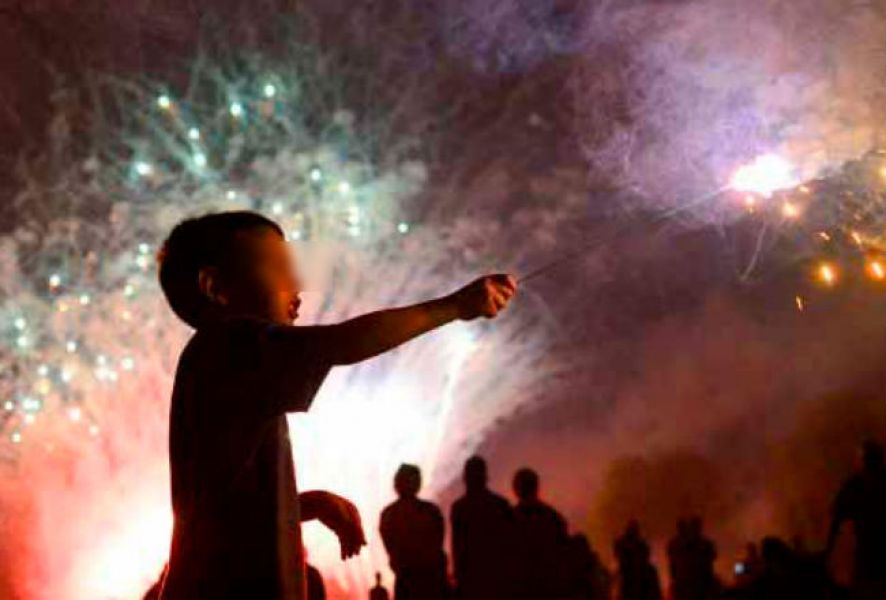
column 765, row 175
column 876, row 269
column 790, row 210
column 827, row 273
column 843, row 214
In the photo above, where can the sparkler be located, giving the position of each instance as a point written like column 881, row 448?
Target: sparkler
column 768, row 177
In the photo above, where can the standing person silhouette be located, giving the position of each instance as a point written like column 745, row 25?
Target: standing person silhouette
column 412, row 531
column 378, row 592
column 541, row 541
column 587, row 577
column 237, row 514
column 691, row 559
column 637, row 576
column 482, row 538
column 862, row 501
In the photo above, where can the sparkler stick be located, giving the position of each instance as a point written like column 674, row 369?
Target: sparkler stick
column 655, row 220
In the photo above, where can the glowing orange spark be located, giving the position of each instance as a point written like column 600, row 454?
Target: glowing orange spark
column 876, row 269
column 827, row 274
column 790, row 210
column 799, row 301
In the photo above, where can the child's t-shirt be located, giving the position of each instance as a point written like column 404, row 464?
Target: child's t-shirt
column 237, row 529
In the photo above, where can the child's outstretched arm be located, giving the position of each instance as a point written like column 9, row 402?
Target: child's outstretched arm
column 285, row 365
column 374, row 333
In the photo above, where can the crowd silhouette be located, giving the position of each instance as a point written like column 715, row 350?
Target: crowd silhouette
column 523, row 551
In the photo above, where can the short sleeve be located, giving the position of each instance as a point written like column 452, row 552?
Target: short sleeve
column 274, row 367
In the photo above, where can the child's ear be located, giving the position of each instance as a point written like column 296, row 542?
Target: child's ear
column 208, row 279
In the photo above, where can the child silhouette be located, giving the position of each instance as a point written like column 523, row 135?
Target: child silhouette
column 237, row 513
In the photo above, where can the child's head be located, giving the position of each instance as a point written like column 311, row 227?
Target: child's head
column 232, row 263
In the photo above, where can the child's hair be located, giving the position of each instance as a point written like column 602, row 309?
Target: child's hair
column 197, row 243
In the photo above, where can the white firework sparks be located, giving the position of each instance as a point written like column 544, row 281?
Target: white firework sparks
column 88, row 347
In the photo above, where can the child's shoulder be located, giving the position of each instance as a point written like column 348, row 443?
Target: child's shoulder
column 229, row 323
column 239, row 333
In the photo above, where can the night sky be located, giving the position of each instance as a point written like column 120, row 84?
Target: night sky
column 695, row 386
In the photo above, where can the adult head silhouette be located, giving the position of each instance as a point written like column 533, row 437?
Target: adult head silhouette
column 525, row 485
column 407, row 481
column 475, row 474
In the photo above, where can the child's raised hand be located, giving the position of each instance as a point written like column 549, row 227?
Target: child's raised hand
column 484, row 297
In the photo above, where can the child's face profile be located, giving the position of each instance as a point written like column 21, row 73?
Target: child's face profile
column 263, row 282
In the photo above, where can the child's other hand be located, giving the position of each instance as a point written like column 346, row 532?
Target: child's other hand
column 485, row 297
column 342, row 517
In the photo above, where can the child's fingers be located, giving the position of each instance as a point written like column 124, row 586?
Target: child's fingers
column 505, row 289
column 500, row 300
column 505, row 280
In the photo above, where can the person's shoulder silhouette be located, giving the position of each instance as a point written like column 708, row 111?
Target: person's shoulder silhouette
column 637, row 576
column 478, row 500
column 630, row 547
column 531, row 507
column 862, row 501
column 410, row 526
column 541, row 539
column 378, row 592
column 412, row 531
column 482, row 537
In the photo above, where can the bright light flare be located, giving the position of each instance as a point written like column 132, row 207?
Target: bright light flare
column 790, row 210
column 876, row 269
column 765, row 175
column 127, row 559
column 144, row 169
column 827, row 274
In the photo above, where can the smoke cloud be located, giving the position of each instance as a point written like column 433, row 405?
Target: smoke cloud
column 674, row 96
